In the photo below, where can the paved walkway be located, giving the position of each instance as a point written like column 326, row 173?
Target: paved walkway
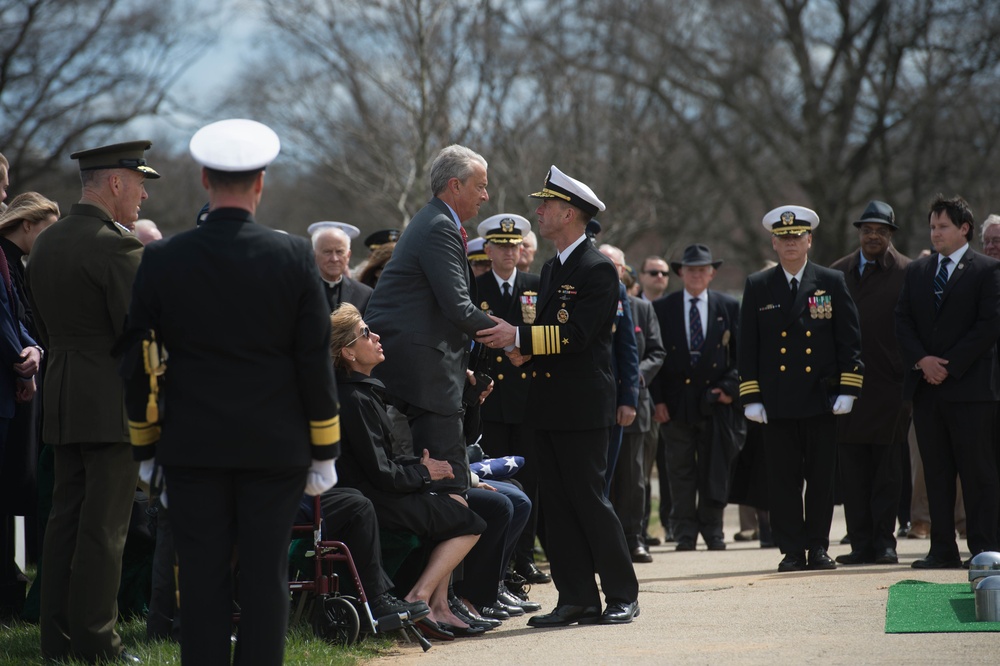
column 733, row 607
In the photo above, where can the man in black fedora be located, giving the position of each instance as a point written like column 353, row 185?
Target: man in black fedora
column 870, row 439
column 694, row 393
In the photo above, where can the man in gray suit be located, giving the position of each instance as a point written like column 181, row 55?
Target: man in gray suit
column 423, row 311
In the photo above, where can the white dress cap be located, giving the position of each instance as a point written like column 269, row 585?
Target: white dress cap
column 235, row 145
column 349, row 229
column 790, row 220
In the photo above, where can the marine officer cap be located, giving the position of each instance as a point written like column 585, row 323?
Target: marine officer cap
column 878, row 212
column 381, row 237
column 790, row 220
column 349, row 229
column 560, row 186
column 695, row 255
column 235, row 145
column 476, row 251
column 504, row 229
column 129, row 155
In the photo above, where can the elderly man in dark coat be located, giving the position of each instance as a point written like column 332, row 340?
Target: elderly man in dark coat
column 869, row 439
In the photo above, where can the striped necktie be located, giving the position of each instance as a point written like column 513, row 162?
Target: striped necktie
column 697, row 335
column 940, row 280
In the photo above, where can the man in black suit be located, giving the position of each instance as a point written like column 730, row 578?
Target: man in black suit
column 947, row 322
column 800, row 365
column 247, row 418
column 870, row 439
column 511, row 294
column 422, row 307
column 571, row 406
column 331, row 243
column 695, row 390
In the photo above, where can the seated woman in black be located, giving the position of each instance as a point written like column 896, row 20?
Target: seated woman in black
column 397, row 487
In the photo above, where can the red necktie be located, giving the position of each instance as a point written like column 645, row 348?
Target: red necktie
column 465, row 238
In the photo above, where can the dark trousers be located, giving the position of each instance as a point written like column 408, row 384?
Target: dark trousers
column 628, row 488
column 213, row 511
column 666, row 500
column 614, row 450
column 442, row 435
column 82, row 555
column 505, row 512
column 508, row 439
column 687, row 454
column 349, row 516
column 871, row 477
column 163, row 620
column 801, row 450
column 958, row 437
column 583, row 535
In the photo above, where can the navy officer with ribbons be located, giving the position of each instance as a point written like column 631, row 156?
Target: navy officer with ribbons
column 571, row 407
column 800, row 365
column 246, row 417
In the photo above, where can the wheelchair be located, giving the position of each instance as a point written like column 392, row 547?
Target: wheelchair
column 335, row 617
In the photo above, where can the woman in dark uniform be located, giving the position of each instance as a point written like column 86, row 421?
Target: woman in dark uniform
column 398, row 487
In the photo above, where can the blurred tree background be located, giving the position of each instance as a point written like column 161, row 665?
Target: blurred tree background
column 689, row 118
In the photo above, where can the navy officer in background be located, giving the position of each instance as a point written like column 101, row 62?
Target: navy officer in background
column 571, row 406
column 800, row 364
column 247, row 419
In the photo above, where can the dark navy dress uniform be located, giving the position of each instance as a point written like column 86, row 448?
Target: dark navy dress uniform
column 248, row 400
column 572, row 405
column 796, row 357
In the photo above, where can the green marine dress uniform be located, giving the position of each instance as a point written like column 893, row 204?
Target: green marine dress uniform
column 80, row 280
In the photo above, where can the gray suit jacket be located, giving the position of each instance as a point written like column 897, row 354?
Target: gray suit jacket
column 651, row 356
column 422, row 309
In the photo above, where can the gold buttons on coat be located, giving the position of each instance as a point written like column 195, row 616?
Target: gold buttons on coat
column 808, row 350
column 782, row 368
column 808, row 369
column 809, row 334
column 784, row 334
column 687, row 381
column 500, row 376
column 783, row 350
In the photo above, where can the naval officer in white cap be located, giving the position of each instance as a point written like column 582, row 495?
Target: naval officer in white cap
column 800, row 365
column 246, row 419
column 571, row 407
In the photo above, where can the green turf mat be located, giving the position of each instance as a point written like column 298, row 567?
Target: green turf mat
column 916, row 607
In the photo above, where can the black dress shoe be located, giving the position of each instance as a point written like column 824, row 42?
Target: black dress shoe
column 934, row 562
column 462, row 612
column 684, row 544
column 856, row 557
column 793, row 562
column 533, row 574
column 886, row 556
column 620, row 613
column 462, row 632
column 512, row 611
column 651, row 540
column 563, row 616
column 493, row 613
column 716, row 544
column 387, row 604
column 640, row 554
column 432, row 629
column 820, row 561
column 507, row 598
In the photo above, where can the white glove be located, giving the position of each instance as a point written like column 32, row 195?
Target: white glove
column 146, row 470
column 755, row 412
column 321, row 477
column 843, row 404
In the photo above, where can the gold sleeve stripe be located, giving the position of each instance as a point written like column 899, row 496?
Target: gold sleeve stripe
column 749, row 387
column 848, row 379
column 545, row 340
column 142, row 433
column 325, row 433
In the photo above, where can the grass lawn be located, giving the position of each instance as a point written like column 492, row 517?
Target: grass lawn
column 19, row 647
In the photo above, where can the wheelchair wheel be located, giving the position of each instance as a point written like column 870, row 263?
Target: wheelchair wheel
column 335, row 620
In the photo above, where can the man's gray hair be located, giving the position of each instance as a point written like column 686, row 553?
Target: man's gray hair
column 989, row 222
column 330, row 231
column 455, row 161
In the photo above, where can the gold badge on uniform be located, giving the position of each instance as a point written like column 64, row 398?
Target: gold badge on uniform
column 562, row 315
column 529, row 301
column 484, row 306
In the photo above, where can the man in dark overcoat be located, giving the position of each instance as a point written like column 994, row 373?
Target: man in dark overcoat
column 870, row 439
